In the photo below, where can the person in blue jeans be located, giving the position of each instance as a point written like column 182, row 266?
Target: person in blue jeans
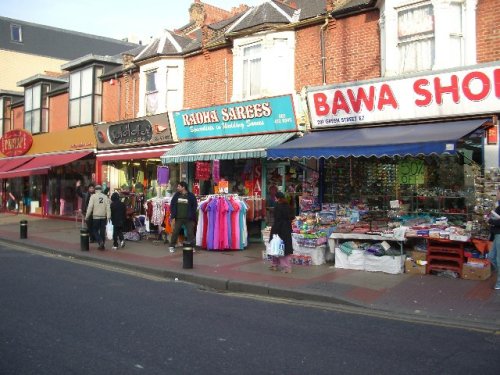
column 494, row 255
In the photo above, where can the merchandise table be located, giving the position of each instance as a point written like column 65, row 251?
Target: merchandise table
column 334, row 237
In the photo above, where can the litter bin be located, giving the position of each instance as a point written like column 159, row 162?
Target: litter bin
column 187, row 255
column 84, row 239
column 23, row 229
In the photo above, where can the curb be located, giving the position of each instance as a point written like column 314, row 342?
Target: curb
column 238, row 287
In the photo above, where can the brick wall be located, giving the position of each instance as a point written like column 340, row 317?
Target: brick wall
column 205, row 79
column 121, row 98
column 18, row 118
column 488, row 31
column 59, row 112
column 352, row 51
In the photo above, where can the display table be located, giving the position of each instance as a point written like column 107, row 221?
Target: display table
column 360, row 260
column 309, row 256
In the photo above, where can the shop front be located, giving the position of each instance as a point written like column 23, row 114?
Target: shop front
column 419, row 153
column 128, row 159
column 222, row 154
column 39, row 172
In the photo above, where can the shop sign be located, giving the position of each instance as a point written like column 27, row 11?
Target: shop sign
column 411, row 172
column 464, row 92
column 492, row 135
column 144, row 131
column 16, row 142
column 269, row 115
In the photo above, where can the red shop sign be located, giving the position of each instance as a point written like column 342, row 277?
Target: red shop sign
column 16, row 142
column 492, row 135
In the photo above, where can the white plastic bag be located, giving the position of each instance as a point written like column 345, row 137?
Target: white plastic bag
column 109, row 230
column 276, row 246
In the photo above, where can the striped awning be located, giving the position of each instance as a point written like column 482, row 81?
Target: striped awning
column 247, row 147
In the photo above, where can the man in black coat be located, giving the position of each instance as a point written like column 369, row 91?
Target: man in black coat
column 182, row 213
column 118, row 217
column 85, row 195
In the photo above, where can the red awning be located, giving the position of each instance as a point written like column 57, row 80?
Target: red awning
column 132, row 154
column 42, row 163
column 9, row 164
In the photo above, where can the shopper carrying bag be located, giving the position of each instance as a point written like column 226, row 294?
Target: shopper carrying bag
column 282, row 226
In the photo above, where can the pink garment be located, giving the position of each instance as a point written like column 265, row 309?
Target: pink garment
column 235, row 225
column 223, row 234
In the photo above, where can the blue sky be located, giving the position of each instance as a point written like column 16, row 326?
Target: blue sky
column 111, row 18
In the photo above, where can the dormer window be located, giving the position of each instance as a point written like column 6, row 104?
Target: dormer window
column 16, row 33
column 85, row 96
column 36, row 108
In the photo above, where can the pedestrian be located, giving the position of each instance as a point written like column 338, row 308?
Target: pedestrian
column 85, row 195
column 182, row 214
column 494, row 255
column 118, row 217
column 100, row 211
column 282, row 226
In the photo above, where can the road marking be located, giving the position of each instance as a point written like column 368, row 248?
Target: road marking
column 358, row 310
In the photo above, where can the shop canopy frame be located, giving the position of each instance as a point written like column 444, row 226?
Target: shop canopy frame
column 244, row 147
column 41, row 164
column 8, row 164
column 396, row 140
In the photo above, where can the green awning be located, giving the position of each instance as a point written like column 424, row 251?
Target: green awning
column 248, row 147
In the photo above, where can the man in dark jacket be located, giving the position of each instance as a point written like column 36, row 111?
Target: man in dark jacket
column 85, row 195
column 182, row 213
column 118, row 217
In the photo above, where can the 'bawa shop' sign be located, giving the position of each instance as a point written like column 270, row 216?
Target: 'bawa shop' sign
column 467, row 91
column 16, row 142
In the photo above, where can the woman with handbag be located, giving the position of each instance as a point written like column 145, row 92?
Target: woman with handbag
column 282, row 226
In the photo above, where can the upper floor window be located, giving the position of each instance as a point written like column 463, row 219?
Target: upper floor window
column 5, row 113
column 263, row 65
column 252, row 64
column 173, row 85
column 416, row 38
column 427, row 35
column 151, row 92
column 16, row 33
column 161, row 86
column 85, row 96
column 36, row 108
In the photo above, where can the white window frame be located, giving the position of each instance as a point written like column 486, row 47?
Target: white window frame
column 16, row 33
column 276, row 59
column 446, row 55
column 167, row 87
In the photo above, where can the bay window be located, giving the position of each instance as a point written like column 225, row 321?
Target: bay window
column 427, row 35
column 263, row 65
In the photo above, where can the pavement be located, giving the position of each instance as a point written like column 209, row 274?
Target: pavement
column 420, row 298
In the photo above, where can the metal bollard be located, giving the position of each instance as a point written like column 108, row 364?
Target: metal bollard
column 23, row 229
column 84, row 239
column 187, row 255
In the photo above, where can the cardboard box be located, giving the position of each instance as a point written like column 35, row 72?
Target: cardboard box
column 414, row 268
column 418, row 255
column 470, row 272
column 38, row 210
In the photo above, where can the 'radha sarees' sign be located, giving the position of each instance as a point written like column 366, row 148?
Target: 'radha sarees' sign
column 262, row 116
